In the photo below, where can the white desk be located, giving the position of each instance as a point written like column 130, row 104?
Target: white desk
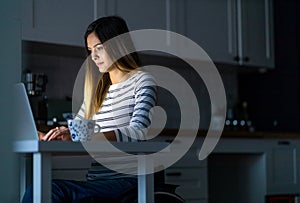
column 43, row 151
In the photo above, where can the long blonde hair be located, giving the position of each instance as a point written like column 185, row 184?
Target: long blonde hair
column 96, row 85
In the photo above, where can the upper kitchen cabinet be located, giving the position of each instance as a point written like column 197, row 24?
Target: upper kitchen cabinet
column 255, row 32
column 211, row 25
column 56, row 21
column 141, row 14
column 231, row 31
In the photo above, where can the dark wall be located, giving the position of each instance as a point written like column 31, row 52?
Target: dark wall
column 274, row 96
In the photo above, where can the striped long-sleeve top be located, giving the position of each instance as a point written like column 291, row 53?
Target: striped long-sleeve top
column 126, row 111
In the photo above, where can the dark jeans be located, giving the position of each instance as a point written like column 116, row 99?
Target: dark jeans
column 74, row 191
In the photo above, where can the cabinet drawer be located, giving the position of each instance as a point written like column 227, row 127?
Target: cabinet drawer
column 192, row 182
column 70, row 167
column 76, row 174
column 190, row 160
column 71, row 162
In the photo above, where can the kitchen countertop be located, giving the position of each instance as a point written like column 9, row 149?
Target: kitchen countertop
column 241, row 134
column 226, row 133
column 261, row 134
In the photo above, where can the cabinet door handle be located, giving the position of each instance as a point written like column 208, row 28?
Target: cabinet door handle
column 284, row 142
column 173, row 174
column 246, row 59
column 236, row 58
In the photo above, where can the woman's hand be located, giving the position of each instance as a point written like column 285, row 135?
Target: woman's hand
column 58, row 133
column 41, row 135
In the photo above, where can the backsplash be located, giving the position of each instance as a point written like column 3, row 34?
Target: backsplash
column 61, row 64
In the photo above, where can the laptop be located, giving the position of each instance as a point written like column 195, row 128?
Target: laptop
column 25, row 128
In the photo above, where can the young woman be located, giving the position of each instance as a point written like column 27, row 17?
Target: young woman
column 122, row 83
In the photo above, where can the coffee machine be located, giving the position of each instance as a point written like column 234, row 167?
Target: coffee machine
column 35, row 84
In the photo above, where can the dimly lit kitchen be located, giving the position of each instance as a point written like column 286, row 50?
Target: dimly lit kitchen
column 246, row 151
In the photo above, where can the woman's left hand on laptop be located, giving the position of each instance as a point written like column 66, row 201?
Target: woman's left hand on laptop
column 58, row 133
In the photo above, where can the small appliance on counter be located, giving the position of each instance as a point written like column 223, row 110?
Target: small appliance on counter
column 47, row 112
column 35, row 84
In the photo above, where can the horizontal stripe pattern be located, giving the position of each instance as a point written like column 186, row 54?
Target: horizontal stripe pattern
column 126, row 111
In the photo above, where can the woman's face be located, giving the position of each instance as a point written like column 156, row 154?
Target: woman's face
column 98, row 53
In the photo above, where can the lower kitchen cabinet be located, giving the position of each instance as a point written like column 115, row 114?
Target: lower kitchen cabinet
column 190, row 175
column 192, row 182
column 236, row 177
column 283, row 167
column 239, row 170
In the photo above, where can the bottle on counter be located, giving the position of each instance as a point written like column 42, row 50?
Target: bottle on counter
column 237, row 118
column 229, row 119
column 245, row 124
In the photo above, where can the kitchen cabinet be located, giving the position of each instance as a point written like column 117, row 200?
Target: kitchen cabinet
column 55, row 21
column 143, row 14
column 212, row 26
column 240, row 169
column 192, row 181
column 255, row 32
column 65, row 22
column 236, row 177
column 231, row 31
column 189, row 173
column 191, row 176
column 283, row 167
